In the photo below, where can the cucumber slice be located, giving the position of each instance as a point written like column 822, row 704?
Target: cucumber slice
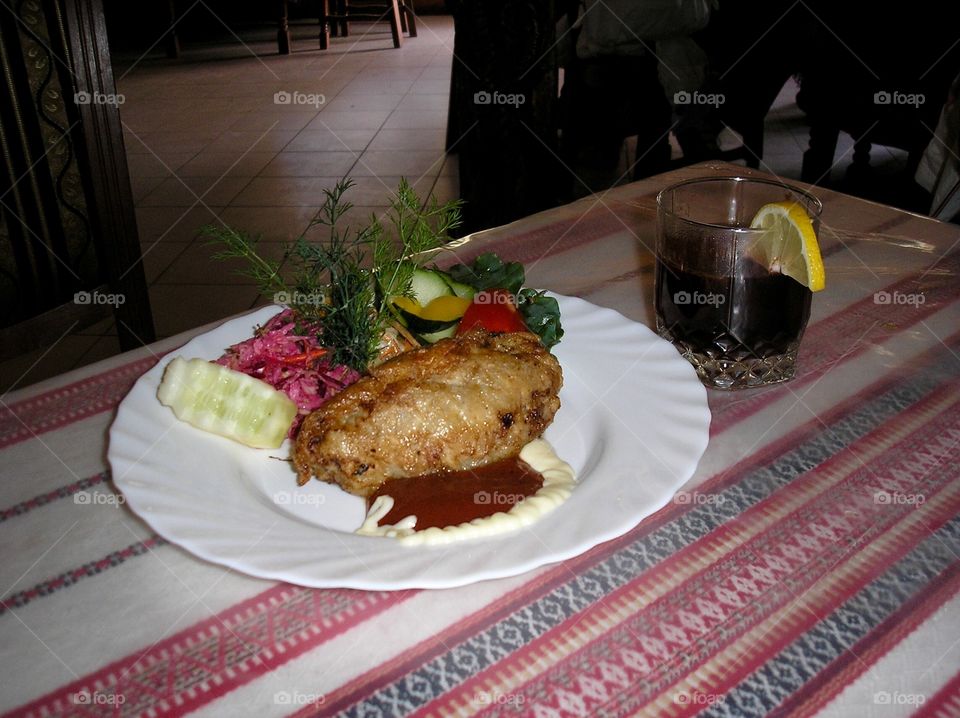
column 462, row 290
column 225, row 402
column 427, row 285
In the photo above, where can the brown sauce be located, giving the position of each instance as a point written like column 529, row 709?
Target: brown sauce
column 455, row 497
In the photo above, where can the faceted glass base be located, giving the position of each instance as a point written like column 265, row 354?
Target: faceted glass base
column 735, row 370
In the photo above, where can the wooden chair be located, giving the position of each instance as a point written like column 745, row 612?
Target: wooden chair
column 335, row 17
column 68, row 234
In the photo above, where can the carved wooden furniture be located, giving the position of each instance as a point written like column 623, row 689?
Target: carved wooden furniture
column 69, row 249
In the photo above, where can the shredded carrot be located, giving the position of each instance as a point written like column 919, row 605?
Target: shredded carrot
column 402, row 330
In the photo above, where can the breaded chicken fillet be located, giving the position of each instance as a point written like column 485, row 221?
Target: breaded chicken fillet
column 454, row 405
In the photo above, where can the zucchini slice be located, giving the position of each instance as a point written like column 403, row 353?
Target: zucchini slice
column 427, row 285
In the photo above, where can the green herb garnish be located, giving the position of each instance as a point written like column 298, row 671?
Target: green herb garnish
column 345, row 282
column 541, row 314
column 488, row 271
column 237, row 244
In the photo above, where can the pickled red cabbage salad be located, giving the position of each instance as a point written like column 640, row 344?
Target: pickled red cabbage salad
column 286, row 354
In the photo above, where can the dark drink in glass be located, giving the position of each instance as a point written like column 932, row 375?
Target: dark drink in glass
column 735, row 320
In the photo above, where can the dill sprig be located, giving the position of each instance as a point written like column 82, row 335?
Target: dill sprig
column 240, row 245
column 335, row 271
column 345, row 281
column 419, row 228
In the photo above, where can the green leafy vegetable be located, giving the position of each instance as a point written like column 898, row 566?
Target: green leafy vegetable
column 540, row 312
column 541, row 315
column 488, row 271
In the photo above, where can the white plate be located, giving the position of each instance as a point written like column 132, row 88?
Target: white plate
column 633, row 423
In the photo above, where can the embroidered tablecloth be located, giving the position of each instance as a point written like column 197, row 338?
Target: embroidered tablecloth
column 810, row 566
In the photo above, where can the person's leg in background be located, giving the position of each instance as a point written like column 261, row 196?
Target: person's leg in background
column 652, row 120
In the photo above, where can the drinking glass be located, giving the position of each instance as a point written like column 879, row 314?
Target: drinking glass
column 735, row 320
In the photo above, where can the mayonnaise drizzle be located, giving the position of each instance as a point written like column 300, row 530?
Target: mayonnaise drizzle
column 558, row 482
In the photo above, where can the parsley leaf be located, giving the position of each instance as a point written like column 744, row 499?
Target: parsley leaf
column 541, row 315
column 488, row 271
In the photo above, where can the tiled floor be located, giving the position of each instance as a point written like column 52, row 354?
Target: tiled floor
column 206, row 144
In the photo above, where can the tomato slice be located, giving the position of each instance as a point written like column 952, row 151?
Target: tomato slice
column 494, row 310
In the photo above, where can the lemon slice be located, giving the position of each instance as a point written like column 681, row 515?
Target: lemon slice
column 789, row 246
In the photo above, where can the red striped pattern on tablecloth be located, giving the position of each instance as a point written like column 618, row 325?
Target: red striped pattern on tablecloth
column 527, row 592
column 215, row 656
column 69, row 578
column 523, row 595
column 87, row 570
column 126, row 691
column 853, row 663
column 430, row 649
column 45, row 498
column 63, row 406
column 437, row 644
column 822, row 530
column 945, row 703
